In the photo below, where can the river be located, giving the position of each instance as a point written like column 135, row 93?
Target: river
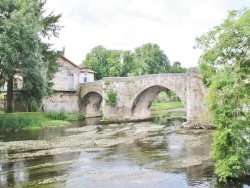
column 88, row 154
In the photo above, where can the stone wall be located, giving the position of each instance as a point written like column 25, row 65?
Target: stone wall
column 60, row 79
column 91, row 98
column 196, row 92
column 136, row 94
column 18, row 105
column 62, row 100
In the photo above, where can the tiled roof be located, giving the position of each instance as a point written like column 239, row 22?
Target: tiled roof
column 81, row 68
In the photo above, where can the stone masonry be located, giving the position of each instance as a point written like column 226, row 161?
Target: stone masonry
column 136, row 94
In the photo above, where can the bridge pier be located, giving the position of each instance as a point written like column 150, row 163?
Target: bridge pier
column 196, row 92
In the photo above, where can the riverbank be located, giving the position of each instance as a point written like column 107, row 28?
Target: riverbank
column 35, row 120
column 163, row 108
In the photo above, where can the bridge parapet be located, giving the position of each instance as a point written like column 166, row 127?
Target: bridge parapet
column 87, row 87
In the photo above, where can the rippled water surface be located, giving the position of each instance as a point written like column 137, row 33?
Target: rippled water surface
column 145, row 154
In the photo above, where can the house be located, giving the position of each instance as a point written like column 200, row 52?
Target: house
column 69, row 75
column 66, row 84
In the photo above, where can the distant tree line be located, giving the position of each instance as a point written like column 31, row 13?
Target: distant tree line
column 146, row 59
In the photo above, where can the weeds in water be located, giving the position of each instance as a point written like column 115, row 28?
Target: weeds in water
column 15, row 121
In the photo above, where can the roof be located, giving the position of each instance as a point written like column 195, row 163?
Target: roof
column 81, row 68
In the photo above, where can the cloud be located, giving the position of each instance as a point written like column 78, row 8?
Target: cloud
column 126, row 24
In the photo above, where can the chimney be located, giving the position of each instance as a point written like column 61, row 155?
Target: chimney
column 63, row 50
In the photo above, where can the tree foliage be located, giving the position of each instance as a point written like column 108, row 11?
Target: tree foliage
column 151, row 60
column 146, row 59
column 225, row 64
column 22, row 51
column 177, row 68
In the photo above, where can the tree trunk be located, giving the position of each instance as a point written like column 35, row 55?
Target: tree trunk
column 10, row 95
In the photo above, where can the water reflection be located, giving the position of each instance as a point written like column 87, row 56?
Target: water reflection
column 20, row 172
column 3, row 177
column 153, row 155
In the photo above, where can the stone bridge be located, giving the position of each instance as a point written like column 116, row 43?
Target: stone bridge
column 136, row 94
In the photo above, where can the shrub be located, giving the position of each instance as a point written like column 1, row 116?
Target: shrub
column 80, row 117
column 57, row 115
column 19, row 121
column 112, row 98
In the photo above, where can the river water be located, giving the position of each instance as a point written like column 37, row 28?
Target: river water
column 88, row 154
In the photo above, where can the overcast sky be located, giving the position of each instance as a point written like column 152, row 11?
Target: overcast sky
column 126, row 24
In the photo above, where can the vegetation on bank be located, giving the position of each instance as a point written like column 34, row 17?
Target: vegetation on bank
column 22, row 120
column 225, row 67
column 161, row 108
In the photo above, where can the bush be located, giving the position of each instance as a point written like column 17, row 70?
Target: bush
column 57, row 115
column 80, row 117
column 15, row 121
column 161, row 98
column 19, row 121
column 112, row 98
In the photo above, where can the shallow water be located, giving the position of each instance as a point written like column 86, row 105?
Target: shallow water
column 145, row 154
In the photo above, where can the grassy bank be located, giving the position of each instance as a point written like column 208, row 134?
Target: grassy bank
column 22, row 120
column 161, row 108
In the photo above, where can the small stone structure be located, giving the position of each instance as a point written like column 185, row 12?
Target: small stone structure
column 66, row 85
column 136, row 94
column 90, row 98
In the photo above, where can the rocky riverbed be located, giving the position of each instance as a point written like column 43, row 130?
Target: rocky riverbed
column 116, row 154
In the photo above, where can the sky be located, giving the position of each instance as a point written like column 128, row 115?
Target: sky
column 127, row 24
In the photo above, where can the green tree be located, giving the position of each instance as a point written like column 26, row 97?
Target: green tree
column 114, row 63
column 150, row 59
column 128, row 64
column 177, row 68
column 105, row 62
column 225, row 64
column 97, row 61
column 147, row 59
column 22, row 51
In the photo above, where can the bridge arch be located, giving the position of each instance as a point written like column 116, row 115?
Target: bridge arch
column 91, row 104
column 141, row 106
column 133, row 95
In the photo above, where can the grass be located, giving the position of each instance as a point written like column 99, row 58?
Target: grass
column 34, row 120
column 161, row 108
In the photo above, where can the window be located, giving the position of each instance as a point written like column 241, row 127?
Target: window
column 84, row 79
column 70, row 81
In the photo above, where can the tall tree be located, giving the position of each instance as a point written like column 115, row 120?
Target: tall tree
column 225, row 64
column 97, row 61
column 150, row 59
column 114, row 63
column 22, row 52
column 147, row 59
column 128, row 64
column 177, row 68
